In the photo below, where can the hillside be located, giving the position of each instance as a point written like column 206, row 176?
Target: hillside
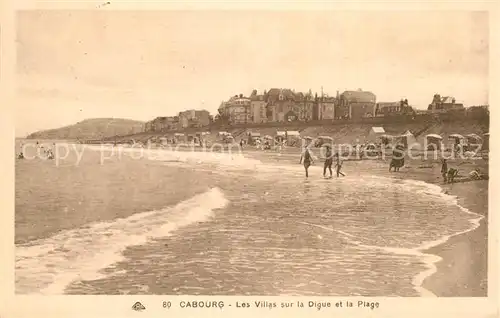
column 95, row 128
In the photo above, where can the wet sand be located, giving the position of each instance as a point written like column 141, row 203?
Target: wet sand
column 463, row 270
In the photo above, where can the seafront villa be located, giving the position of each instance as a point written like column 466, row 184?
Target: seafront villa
column 282, row 105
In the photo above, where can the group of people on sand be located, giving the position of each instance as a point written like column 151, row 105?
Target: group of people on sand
column 307, row 159
column 451, row 175
column 48, row 152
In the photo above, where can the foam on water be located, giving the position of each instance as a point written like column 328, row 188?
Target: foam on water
column 415, row 186
column 430, row 260
column 152, row 224
column 229, row 158
column 47, row 266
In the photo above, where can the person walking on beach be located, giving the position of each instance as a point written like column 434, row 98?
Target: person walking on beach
column 444, row 170
column 338, row 165
column 307, row 159
column 328, row 161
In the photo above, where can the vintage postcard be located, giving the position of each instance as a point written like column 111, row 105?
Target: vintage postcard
column 189, row 159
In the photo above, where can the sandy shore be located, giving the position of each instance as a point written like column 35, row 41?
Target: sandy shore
column 463, row 270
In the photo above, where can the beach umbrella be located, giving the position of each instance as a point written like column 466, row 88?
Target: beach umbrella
column 455, row 136
column 434, row 141
column 474, row 138
column 326, row 137
column 434, row 136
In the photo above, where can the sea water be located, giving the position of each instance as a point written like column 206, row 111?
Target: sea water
column 223, row 224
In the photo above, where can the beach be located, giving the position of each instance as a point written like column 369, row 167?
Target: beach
column 463, row 270
column 464, row 267
column 245, row 224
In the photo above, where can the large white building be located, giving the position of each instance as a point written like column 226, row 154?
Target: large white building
column 237, row 109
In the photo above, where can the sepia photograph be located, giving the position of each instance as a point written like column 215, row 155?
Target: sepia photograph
column 252, row 153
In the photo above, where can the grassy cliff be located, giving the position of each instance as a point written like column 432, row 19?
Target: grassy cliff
column 96, row 128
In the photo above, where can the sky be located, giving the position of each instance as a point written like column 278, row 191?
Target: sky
column 73, row 65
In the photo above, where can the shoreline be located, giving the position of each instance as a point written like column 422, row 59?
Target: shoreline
column 462, row 268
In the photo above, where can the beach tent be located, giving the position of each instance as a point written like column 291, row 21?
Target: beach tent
column 386, row 139
column 223, row 135
column 293, row 133
column 407, row 139
column 179, row 137
column 457, row 138
column 433, row 142
column 486, row 142
column 375, row 134
column 163, row 140
column 280, row 135
column 474, row 139
column 292, row 137
column 228, row 139
column 253, row 137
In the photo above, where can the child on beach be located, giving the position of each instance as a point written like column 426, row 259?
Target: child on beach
column 307, row 158
column 338, row 165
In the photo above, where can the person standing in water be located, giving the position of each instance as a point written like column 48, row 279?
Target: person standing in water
column 444, row 170
column 307, row 159
column 328, row 161
column 338, row 165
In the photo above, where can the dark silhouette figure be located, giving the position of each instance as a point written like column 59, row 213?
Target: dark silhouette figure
column 307, row 159
column 328, row 161
column 444, row 170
